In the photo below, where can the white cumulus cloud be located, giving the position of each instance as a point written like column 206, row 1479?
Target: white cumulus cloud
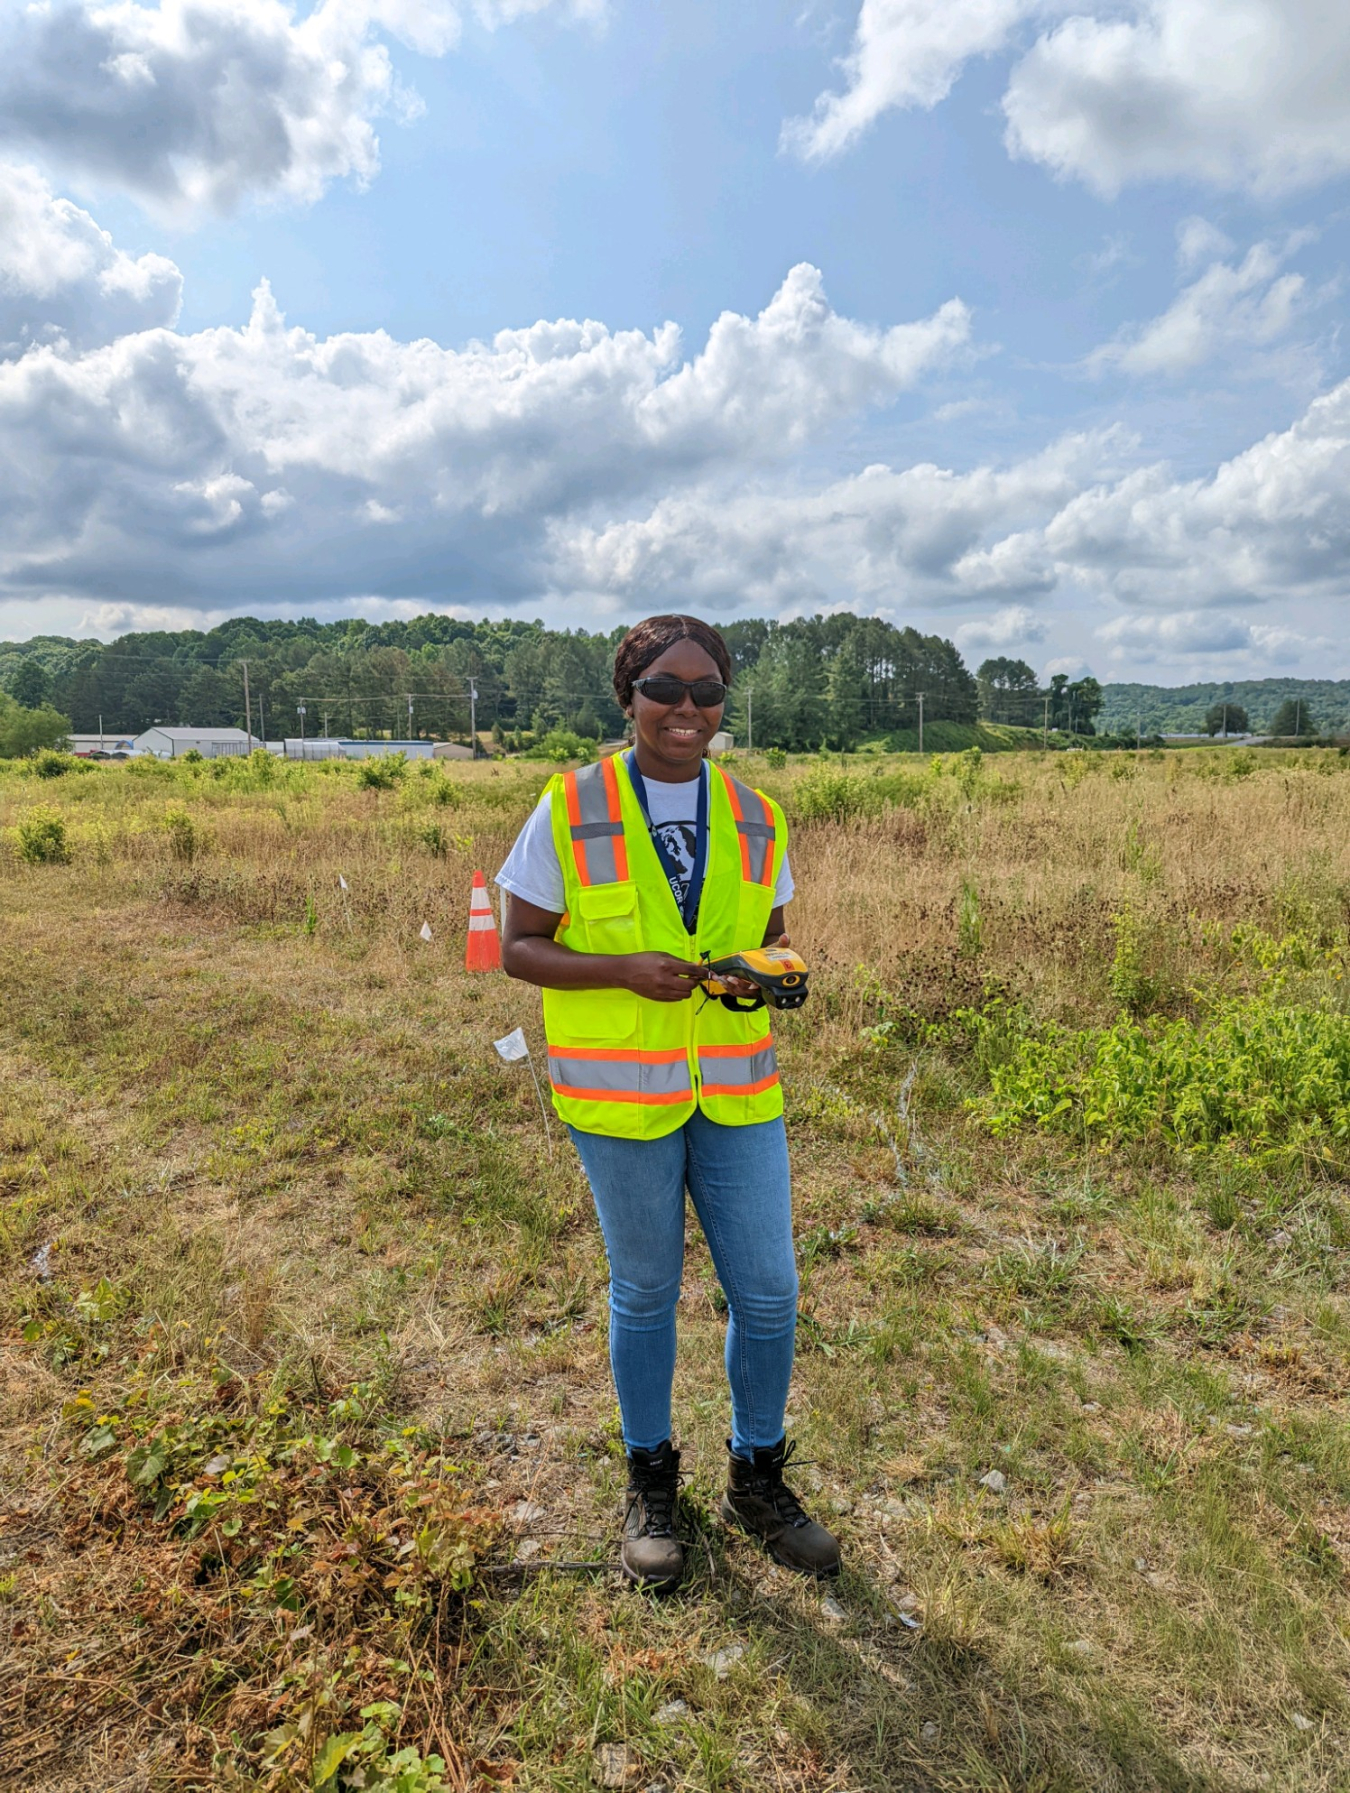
column 363, row 463
column 904, row 53
column 891, row 537
column 1245, row 304
column 195, row 105
column 1012, row 627
column 1237, row 93
column 1270, row 524
column 1203, row 633
column 63, row 279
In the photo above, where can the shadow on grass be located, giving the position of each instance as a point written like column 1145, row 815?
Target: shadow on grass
column 932, row 1711
column 857, row 1704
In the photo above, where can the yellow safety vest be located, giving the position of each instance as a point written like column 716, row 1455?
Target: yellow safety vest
column 622, row 1064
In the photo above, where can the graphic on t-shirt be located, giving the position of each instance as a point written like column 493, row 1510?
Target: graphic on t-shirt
column 679, row 840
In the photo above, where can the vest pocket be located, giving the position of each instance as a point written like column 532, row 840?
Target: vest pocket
column 607, row 1015
column 609, row 914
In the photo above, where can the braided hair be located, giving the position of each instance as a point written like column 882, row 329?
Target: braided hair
column 647, row 641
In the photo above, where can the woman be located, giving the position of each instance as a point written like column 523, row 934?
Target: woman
column 625, row 876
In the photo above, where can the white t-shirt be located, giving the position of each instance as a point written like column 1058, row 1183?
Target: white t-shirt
column 532, row 871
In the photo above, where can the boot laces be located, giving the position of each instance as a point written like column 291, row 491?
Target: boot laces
column 657, row 1489
column 770, row 1486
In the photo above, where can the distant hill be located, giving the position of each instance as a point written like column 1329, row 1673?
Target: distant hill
column 1180, row 709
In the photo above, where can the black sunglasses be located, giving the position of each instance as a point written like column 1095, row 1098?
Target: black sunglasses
column 665, row 688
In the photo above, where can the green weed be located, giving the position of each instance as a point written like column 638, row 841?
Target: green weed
column 41, row 837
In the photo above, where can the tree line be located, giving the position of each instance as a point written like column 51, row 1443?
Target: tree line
column 823, row 681
column 1010, row 692
column 1277, row 706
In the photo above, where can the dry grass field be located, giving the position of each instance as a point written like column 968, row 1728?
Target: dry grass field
column 309, row 1465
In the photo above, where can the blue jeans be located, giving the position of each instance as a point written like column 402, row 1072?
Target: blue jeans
column 738, row 1178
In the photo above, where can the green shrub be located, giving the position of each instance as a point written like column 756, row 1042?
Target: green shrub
column 260, row 767
column 969, row 927
column 829, row 795
column 382, row 774
column 968, row 767
column 49, row 763
column 42, row 838
column 1273, row 1079
column 1129, row 980
column 186, row 840
column 560, row 745
column 775, row 758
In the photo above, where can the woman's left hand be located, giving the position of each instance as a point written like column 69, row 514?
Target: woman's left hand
column 741, row 986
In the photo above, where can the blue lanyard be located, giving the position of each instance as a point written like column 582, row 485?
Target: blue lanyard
column 694, row 891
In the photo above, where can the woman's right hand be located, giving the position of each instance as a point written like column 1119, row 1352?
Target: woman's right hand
column 661, row 977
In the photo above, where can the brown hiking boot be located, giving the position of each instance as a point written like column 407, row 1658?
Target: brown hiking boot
column 652, row 1556
column 760, row 1502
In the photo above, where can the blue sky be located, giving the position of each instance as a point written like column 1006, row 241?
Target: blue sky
column 1055, row 364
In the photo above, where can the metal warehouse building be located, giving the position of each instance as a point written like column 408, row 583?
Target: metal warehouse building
column 211, row 743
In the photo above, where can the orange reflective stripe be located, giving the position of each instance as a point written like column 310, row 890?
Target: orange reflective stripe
column 740, row 1089
column 736, row 811
column 574, row 818
column 746, row 1051
column 619, row 1054
column 756, row 861
column 647, row 1097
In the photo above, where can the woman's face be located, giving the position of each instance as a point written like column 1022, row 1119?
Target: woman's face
column 675, row 735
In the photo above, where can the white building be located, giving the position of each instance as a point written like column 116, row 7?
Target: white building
column 343, row 747
column 110, row 741
column 211, row 743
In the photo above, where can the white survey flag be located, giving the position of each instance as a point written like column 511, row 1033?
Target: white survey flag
column 426, row 930
column 514, row 1047
column 342, row 882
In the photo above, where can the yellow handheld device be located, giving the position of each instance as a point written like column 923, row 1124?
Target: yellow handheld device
column 780, row 975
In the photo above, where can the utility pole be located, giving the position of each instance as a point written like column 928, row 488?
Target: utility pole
column 325, row 724
column 473, row 718
column 100, row 731
column 1298, row 716
column 300, row 708
column 410, row 708
column 920, row 696
column 248, row 709
column 750, row 720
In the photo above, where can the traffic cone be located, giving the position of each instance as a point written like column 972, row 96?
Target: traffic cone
column 483, row 952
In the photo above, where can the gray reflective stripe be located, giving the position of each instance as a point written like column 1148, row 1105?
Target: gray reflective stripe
column 757, row 831
column 753, row 1069
column 618, row 1075
column 592, row 799
column 595, row 828
column 759, row 849
column 602, row 865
